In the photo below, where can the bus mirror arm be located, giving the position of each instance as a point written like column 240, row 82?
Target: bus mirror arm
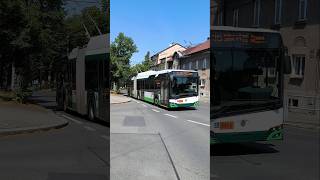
column 287, row 65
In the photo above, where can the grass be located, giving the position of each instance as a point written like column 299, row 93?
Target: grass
column 18, row 95
column 7, row 95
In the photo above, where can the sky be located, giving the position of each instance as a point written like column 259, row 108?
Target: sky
column 154, row 24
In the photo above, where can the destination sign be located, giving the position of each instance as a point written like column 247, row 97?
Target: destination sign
column 244, row 39
column 184, row 73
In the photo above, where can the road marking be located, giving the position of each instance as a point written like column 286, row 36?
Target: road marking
column 89, row 128
column 171, row 115
column 155, row 110
column 76, row 121
column 144, row 105
column 199, row 123
column 105, row 137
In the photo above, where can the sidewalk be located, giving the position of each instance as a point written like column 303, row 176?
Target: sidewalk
column 302, row 125
column 118, row 99
column 204, row 99
column 26, row 118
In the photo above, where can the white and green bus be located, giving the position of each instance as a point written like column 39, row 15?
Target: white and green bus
column 248, row 67
column 169, row 88
column 86, row 81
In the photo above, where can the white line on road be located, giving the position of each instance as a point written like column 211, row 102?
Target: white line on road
column 144, row 105
column 199, row 123
column 105, row 137
column 89, row 128
column 155, row 110
column 171, row 115
column 76, row 121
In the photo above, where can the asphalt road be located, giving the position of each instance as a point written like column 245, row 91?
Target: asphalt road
column 294, row 158
column 79, row 151
column 149, row 142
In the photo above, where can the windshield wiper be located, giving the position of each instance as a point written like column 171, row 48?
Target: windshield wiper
column 244, row 107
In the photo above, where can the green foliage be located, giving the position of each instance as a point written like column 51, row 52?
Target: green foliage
column 145, row 65
column 36, row 36
column 21, row 95
column 121, row 50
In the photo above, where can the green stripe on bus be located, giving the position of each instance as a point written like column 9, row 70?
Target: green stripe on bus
column 276, row 134
column 175, row 105
column 148, row 99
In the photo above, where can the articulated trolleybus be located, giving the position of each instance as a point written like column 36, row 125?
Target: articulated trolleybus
column 248, row 68
column 86, row 79
column 168, row 88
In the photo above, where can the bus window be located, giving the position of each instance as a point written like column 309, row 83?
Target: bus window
column 92, row 73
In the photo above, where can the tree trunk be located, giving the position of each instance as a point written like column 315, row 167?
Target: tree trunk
column 13, row 76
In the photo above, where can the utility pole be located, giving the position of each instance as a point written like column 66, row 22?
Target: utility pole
column 95, row 24
column 85, row 28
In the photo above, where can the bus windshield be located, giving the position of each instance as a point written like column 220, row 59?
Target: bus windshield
column 184, row 85
column 245, row 79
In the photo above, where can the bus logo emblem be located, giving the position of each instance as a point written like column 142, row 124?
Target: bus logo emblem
column 243, row 123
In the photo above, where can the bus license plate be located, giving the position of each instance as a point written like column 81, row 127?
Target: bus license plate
column 226, row 125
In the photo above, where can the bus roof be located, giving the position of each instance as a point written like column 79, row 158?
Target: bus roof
column 98, row 45
column 230, row 28
column 73, row 54
column 147, row 74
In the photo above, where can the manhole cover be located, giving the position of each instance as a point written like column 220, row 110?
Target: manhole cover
column 137, row 121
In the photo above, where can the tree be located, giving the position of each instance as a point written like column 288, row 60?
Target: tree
column 14, row 39
column 145, row 65
column 121, row 51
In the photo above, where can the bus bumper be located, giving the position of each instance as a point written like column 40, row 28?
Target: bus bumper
column 175, row 105
column 275, row 133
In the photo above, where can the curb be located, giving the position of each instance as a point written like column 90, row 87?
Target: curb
column 122, row 102
column 316, row 127
column 16, row 131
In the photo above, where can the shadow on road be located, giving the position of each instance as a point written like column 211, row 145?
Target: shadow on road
column 241, row 149
column 168, row 109
column 47, row 99
column 97, row 121
column 42, row 101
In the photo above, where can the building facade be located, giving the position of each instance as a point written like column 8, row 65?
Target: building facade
column 163, row 59
column 197, row 58
column 191, row 58
column 299, row 24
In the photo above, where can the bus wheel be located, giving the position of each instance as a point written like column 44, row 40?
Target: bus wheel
column 91, row 112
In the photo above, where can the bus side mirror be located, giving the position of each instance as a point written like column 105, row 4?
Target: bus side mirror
column 287, row 65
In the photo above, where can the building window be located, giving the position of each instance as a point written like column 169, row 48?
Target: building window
column 202, row 82
column 204, row 63
column 278, row 11
column 190, row 65
column 217, row 15
column 235, row 17
column 302, row 10
column 197, row 64
column 194, row 65
column 256, row 13
column 293, row 102
column 272, row 72
column 298, row 63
